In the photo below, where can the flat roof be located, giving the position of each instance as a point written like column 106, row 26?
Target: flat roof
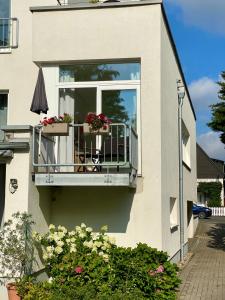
column 93, row 5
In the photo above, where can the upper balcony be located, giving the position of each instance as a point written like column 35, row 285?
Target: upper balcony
column 9, row 33
column 86, row 159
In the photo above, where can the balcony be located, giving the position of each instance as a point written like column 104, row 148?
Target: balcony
column 9, row 33
column 81, row 159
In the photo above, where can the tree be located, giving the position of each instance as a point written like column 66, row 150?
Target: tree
column 218, row 111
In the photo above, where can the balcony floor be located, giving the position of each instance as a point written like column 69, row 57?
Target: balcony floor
column 85, row 179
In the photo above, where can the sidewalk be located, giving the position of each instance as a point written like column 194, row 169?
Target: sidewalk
column 204, row 276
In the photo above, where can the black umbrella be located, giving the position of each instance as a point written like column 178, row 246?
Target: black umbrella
column 39, row 103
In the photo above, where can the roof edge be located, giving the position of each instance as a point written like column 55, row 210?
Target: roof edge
column 177, row 58
column 98, row 5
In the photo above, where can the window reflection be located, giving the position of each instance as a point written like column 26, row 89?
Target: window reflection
column 99, row 72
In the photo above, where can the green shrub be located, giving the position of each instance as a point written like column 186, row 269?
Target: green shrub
column 100, row 270
column 213, row 191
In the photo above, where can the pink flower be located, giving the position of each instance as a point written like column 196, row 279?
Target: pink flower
column 78, row 270
column 160, row 269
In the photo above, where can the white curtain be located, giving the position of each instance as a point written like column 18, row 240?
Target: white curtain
column 66, row 143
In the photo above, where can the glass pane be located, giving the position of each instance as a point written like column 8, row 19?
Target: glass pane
column 100, row 72
column 3, row 113
column 4, row 8
column 120, row 106
column 4, row 23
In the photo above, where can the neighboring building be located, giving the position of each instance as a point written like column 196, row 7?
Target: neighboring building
column 209, row 170
column 103, row 58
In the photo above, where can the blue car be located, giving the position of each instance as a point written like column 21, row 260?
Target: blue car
column 202, row 211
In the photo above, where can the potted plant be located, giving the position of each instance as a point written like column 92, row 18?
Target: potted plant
column 16, row 252
column 57, row 126
column 96, row 124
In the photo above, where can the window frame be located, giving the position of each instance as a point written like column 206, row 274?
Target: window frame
column 108, row 85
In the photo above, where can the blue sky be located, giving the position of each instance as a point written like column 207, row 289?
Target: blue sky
column 198, row 28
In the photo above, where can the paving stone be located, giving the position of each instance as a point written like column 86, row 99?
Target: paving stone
column 203, row 278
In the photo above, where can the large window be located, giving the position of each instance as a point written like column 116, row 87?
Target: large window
column 109, row 88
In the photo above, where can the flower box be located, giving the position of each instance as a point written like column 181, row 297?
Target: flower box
column 56, row 129
column 88, row 130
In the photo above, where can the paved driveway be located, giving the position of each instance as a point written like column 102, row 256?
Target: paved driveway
column 204, row 276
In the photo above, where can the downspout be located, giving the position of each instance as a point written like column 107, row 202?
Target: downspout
column 181, row 94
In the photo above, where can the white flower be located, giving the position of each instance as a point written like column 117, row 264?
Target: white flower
column 105, row 257
column 50, row 279
column 101, row 253
column 106, row 238
column 88, row 244
column 68, row 241
column 51, row 226
column 83, row 225
column 45, row 256
column 71, row 233
column 50, row 249
column 82, row 234
column 62, row 228
column 60, row 243
column 78, row 228
column 61, row 234
column 94, row 249
column 73, row 249
column 89, row 229
column 58, row 249
column 98, row 244
column 104, row 228
column 72, row 240
column 95, row 236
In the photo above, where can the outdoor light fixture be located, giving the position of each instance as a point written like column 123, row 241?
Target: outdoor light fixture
column 180, row 89
column 13, row 185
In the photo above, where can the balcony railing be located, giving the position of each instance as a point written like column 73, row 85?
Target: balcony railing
column 115, row 152
column 9, row 33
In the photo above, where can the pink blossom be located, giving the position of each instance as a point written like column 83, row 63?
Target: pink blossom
column 160, row 269
column 78, row 270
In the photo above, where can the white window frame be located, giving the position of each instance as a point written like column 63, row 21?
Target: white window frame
column 109, row 85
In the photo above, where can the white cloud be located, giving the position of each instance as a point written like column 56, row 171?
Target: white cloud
column 207, row 15
column 211, row 144
column 204, row 92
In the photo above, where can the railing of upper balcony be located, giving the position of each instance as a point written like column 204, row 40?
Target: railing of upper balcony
column 9, row 33
column 116, row 151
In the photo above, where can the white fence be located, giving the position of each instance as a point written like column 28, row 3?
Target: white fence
column 218, row 211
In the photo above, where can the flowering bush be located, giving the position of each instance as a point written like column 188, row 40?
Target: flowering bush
column 97, row 122
column 82, row 264
column 16, row 248
column 65, row 118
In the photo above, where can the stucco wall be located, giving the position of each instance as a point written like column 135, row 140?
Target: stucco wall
column 18, row 74
column 115, row 33
column 170, row 144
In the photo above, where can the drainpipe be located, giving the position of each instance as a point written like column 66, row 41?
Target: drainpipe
column 181, row 94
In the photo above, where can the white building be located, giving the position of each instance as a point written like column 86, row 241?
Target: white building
column 97, row 57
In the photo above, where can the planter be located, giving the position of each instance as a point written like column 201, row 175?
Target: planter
column 12, row 292
column 56, row 129
column 88, row 130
